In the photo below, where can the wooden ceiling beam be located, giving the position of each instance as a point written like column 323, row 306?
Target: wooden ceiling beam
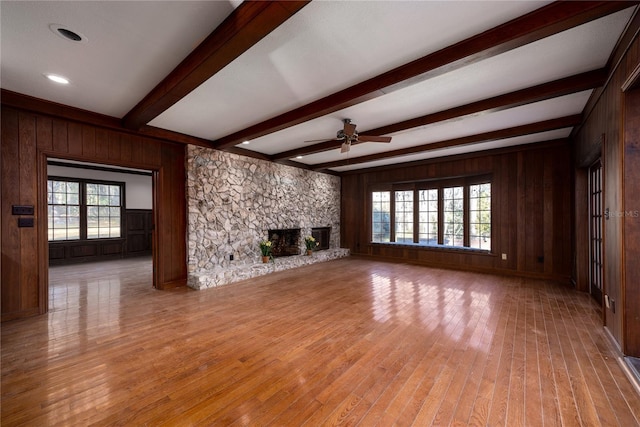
column 308, row 149
column 542, row 92
column 543, row 22
column 533, row 128
column 244, row 27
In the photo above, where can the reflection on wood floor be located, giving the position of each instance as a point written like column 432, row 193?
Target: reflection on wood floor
column 350, row 341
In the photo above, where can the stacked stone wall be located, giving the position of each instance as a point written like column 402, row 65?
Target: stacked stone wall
column 233, row 200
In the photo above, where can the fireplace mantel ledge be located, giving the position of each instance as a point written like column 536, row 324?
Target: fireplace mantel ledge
column 220, row 276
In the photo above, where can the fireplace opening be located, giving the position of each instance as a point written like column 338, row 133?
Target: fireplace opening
column 322, row 236
column 285, row 242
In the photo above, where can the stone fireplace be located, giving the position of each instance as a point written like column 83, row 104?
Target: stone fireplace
column 235, row 202
column 285, row 242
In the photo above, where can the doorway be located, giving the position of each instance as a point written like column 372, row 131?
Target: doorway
column 100, row 222
column 595, row 231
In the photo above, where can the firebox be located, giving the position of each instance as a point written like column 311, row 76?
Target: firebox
column 285, row 242
column 322, row 236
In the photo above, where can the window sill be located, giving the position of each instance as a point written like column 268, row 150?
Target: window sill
column 442, row 248
column 85, row 241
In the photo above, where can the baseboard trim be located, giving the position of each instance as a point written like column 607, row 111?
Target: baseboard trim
column 633, row 379
column 173, row 284
column 6, row 317
column 474, row 269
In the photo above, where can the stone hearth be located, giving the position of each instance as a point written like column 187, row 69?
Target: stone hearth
column 237, row 272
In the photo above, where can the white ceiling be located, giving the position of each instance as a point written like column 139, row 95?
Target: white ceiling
column 325, row 47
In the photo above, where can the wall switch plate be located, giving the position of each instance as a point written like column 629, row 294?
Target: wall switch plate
column 231, row 257
column 504, row 257
column 22, row 209
column 25, row 222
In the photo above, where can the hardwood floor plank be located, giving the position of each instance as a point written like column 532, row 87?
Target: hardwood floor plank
column 471, row 388
column 347, row 342
column 456, row 340
column 464, row 358
column 483, row 400
column 546, row 374
column 581, row 394
column 584, row 350
column 533, row 411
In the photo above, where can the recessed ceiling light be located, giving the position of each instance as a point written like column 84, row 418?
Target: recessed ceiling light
column 245, row 142
column 67, row 33
column 298, row 157
column 58, row 79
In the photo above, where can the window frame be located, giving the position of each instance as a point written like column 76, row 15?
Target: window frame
column 82, row 183
column 435, row 184
column 51, row 208
column 371, row 222
column 479, row 211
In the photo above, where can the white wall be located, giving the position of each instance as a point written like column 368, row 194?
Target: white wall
column 138, row 188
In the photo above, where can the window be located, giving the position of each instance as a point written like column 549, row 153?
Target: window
column 103, row 211
column 453, row 211
column 80, row 209
column 428, row 217
column 404, row 216
column 480, row 216
column 63, row 210
column 381, row 216
column 434, row 214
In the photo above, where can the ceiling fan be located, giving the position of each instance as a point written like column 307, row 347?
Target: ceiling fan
column 349, row 135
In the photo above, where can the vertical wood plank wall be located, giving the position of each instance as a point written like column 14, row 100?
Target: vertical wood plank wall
column 531, row 209
column 27, row 139
column 631, row 234
column 606, row 119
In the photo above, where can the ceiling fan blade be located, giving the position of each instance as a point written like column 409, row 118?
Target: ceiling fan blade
column 349, row 128
column 323, row 140
column 373, row 138
column 346, row 146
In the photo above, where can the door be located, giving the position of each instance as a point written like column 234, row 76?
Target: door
column 595, row 231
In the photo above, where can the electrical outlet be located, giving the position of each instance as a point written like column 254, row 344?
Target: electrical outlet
column 504, row 257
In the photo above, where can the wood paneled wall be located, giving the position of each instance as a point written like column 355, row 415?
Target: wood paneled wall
column 135, row 241
column 139, row 232
column 28, row 139
column 602, row 134
column 631, row 224
column 531, row 209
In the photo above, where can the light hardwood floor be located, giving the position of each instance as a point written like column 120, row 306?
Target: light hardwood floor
column 350, row 341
